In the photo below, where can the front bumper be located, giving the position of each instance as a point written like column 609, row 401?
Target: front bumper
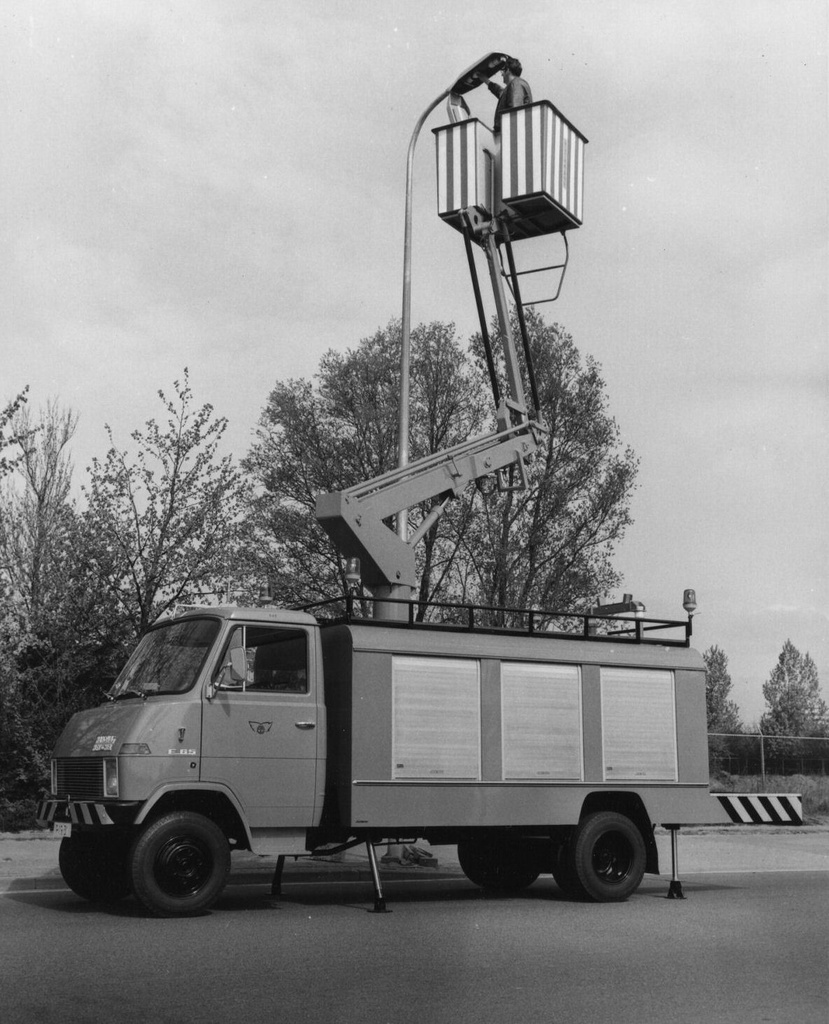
column 53, row 810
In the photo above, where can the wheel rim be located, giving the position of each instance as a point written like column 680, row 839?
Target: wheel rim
column 183, row 865
column 612, row 857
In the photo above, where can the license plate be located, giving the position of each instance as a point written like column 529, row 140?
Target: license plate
column 63, row 829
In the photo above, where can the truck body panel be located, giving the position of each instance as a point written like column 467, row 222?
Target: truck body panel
column 509, row 731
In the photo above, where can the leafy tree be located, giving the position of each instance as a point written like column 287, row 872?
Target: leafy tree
column 793, row 698
column 723, row 713
column 59, row 642
column 32, row 506
column 160, row 529
column 8, row 434
column 342, row 430
column 549, row 545
column 81, row 585
column 34, row 509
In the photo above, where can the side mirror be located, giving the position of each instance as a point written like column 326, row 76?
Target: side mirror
column 238, row 664
column 236, row 667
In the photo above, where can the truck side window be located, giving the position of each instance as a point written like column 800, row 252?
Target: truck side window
column 277, row 660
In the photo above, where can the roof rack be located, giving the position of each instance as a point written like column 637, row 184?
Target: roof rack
column 492, row 619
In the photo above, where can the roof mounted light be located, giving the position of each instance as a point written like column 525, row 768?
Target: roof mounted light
column 353, row 579
column 689, row 602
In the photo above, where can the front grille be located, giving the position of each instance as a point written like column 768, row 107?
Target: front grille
column 82, row 778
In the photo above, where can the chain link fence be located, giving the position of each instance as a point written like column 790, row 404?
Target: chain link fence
column 759, row 754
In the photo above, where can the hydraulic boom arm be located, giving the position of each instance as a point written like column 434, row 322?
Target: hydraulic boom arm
column 354, row 518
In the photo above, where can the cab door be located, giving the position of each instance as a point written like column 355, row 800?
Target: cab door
column 260, row 729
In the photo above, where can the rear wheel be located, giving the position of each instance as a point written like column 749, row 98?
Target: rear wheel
column 95, row 867
column 564, row 873
column 507, row 865
column 179, row 865
column 607, row 856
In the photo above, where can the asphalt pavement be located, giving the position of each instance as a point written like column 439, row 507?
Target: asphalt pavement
column 29, row 860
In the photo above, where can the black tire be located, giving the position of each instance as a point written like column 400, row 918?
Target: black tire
column 564, row 873
column 506, row 866
column 607, row 856
column 179, row 865
column 95, row 867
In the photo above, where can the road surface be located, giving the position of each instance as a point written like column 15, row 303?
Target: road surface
column 741, row 947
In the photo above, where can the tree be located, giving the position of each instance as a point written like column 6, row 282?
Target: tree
column 792, row 694
column 161, row 529
column 60, row 642
column 8, row 435
column 549, row 545
column 34, row 509
column 343, row 430
column 723, row 713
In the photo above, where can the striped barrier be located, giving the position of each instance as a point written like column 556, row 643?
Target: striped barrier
column 78, row 812
column 763, row 808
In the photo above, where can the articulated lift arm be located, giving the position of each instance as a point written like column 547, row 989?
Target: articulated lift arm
column 354, row 518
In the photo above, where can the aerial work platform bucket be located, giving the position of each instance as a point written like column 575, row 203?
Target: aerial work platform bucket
column 467, row 154
column 542, row 170
column 530, row 174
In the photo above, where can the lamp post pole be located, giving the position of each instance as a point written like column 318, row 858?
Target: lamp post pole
column 406, row 318
column 468, row 80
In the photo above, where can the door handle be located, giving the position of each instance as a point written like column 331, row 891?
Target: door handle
column 305, row 725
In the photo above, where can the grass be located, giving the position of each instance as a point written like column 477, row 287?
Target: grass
column 813, row 788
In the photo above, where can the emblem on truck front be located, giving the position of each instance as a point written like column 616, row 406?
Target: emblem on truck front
column 260, row 727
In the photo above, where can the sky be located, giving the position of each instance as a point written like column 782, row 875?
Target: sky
column 220, row 185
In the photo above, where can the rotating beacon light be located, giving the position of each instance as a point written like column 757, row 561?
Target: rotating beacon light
column 352, row 575
column 689, row 603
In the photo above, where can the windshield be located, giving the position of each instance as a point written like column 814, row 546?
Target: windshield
column 167, row 660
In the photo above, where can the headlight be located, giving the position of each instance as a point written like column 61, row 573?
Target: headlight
column 110, row 776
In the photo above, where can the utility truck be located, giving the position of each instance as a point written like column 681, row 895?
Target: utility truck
column 538, row 741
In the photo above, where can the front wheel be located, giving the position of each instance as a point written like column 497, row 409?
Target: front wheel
column 607, row 856
column 180, row 864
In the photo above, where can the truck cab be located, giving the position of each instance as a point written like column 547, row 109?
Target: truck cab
column 219, row 714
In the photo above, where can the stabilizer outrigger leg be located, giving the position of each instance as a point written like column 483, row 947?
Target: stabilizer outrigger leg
column 276, row 881
column 675, row 888
column 379, row 900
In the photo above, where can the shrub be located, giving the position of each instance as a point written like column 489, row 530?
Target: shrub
column 17, row 815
